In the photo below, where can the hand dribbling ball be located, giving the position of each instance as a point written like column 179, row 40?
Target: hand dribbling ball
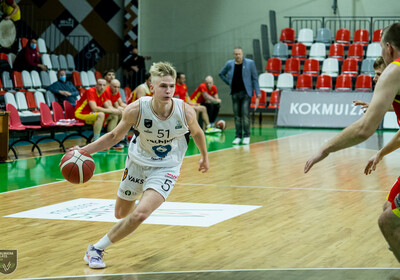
column 221, row 124
column 77, row 166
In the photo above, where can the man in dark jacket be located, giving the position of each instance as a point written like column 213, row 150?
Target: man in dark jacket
column 63, row 89
column 28, row 58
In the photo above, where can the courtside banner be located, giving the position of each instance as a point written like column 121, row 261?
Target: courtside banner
column 320, row 109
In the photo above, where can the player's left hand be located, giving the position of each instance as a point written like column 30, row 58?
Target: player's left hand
column 204, row 165
column 372, row 163
column 316, row 158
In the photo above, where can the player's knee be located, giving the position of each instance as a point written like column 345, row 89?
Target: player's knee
column 139, row 216
column 384, row 221
column 119, row 213
column 100, row 116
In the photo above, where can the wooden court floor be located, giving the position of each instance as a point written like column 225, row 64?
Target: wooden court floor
column 321, row 225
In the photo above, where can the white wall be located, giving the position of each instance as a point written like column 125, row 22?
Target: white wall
column 198, row 36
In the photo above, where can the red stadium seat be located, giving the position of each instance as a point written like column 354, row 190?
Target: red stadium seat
column 70, row 113
column 311, row 67
column 15, row 125
column 299, row 51
column 363, row 83
column 274, row 66
column 324, row 83
column 343, row 36
column 31, row 102
column 17, row 81
column 304, row 82
column 274, row 100
column 356, row 51
column 98, row 75
column 336, row 51
column 262, row 102
column 376, row 37
column 292, row 66
column 287, row 36
column 350, row 67
column 361, row 36
column 343, row 83
column 76, row 79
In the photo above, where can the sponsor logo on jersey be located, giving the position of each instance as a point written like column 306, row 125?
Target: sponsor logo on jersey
column 172, row 176
column 178, row 125
column 148, row 131
column 125, row 173
column 128, row 192
column 162, row 151
column 154, row 158
column 159, row 141
column 135, row 180
column 148, row 123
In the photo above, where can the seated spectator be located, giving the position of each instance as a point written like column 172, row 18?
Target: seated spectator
column 109, row 75
column 114, row 95
column 207, row 95
column 181, row 92
column 28, row 58
column 94, row 108
column 63, row 89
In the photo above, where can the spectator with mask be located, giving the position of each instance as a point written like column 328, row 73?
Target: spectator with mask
column 63, row 89
column 28, row 58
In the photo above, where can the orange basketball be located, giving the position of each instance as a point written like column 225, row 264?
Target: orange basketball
column 221, row 124
column 77, row 166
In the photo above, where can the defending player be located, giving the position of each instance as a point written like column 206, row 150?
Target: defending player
column 387, row 92
column 161, row 124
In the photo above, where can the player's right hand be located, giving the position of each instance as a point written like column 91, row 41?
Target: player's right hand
column 316, row 158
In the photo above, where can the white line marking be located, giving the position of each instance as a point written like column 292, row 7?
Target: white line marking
column 264, row 187
column 222, row 270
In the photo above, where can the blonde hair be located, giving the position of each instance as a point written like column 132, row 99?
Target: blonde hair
column 162, row 69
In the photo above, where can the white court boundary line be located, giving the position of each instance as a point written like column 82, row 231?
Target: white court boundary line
column 222, row 270
column 264, row 187
column 62, row 180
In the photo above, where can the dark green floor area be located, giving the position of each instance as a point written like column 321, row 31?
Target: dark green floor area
column 31, row 172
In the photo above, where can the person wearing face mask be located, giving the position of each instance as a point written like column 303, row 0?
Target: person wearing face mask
column 28, row 58
column 63, row 89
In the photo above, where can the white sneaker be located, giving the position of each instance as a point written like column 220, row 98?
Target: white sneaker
column 211, row 130
column 94, row 257
column 246, row 141
column 236, row 141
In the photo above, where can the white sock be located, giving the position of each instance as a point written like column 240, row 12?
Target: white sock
column 103, row 243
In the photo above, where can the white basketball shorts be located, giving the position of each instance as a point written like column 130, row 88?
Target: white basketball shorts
column 136, row 179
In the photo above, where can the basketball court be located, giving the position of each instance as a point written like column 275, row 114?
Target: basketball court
column 254, row 215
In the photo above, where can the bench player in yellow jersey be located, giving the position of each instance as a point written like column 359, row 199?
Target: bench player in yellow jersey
column 386, row 93
column 161, row 124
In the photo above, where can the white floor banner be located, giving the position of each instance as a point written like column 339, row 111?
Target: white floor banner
column 170, row 213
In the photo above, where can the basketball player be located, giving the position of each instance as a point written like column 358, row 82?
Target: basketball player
column 161, row 124
column 387, row 92
column 141, row 90
column 379, row 66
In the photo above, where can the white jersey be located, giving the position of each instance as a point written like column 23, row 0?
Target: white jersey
column 157, row 142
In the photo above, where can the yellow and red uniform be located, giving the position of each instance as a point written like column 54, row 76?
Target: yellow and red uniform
column 394, row 194
column 181, row 90
column 197, row 95
column 113, row 97
column 82, row 109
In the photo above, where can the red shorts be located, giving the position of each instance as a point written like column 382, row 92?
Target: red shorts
column 394, row 197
